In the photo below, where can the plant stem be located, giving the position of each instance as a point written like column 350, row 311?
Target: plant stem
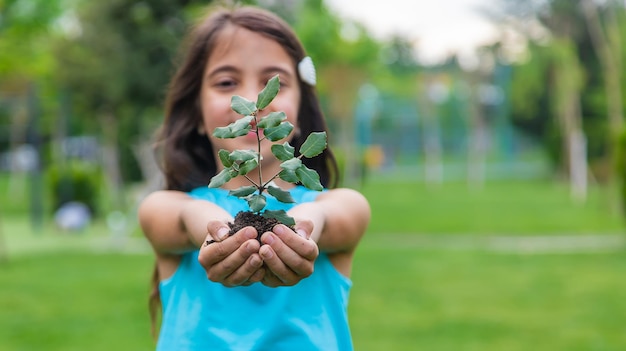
column 261, row 186
column 269, row 181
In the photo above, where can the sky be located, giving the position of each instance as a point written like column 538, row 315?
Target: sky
column 438, row 27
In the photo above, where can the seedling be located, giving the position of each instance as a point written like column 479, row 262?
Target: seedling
column 273, row 127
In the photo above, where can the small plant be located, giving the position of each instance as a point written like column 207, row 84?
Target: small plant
column 273, row 127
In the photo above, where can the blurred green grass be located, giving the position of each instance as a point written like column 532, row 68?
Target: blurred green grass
column 406, row 298
column 68, row 300
column 80, row 291
column 533, row 207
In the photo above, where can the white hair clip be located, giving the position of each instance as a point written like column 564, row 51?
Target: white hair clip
column 307, row 71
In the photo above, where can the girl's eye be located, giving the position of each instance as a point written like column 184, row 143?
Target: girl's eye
column 281, row 83
column 225, row 84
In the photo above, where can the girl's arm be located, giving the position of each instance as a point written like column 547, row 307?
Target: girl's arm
column 340, row 218
column 336, row 221
column 175, row 223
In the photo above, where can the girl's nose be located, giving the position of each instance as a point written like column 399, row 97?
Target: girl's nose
column 251, row 91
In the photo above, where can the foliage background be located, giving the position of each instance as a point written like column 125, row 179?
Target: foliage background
column 73, row 68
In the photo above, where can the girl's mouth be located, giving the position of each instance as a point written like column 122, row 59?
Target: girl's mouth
column 252, row 133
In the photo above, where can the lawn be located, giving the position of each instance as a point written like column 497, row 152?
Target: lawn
column 75, row 301
column 502, row 208
column 89, row 291
column 407, row 298
column 403, row 299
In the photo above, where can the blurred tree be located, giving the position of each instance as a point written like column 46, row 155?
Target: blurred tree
column 400, row 76
column 567, row 82
column 557, row 20
column 605, row 37
column 25, row 63
column 27, row 96
column 24, row 29
column 116, row 64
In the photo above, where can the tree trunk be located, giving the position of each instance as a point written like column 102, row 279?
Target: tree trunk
column 4, row 252
column 435, row 94
column 433, row 166
column 578, row 165
column 110, row 158
column 477, row 144
column 606, row 46
column 567, row 84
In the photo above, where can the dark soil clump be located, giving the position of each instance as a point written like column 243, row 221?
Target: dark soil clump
column 260, row 223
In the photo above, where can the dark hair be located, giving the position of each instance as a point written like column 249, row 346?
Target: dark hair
column 187, row 158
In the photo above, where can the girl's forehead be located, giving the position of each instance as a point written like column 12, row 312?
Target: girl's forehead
column 233, row 35
column 237, row 40
column 224, row 39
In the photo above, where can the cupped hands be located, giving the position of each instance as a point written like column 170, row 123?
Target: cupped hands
column 283, row 258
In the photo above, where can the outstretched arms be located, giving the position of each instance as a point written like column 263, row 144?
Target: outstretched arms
column 174, row 223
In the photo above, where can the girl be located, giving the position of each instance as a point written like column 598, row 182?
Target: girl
column 290, row 291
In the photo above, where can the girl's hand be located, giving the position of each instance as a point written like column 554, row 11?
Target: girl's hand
column 289, row 257
column 232, row 262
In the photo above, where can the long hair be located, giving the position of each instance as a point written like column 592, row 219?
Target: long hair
column 186, row 157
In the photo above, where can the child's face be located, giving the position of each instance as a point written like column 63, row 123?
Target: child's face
column 241, row 64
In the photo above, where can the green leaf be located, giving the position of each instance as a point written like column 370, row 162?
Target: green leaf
column 288, row 176
column 280, row 194
column 223, row 133
column 277, row 133
column 314, row 144
column 236, row 129
column 256, row 202
column 241, row 126
column 291, row 165
column 243, row 155
column 309, row 178
column 272, row 120
column 243, row 191
column 221, row 178
column 246, row 167
column 283, row 152
column 268, row 93
column 280, row 215
column 242, row 105
column 224, row 158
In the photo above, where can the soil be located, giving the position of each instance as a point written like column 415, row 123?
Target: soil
column 247, row 218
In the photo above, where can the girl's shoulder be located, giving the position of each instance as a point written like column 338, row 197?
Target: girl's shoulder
column 303, row 194
column 210, row 194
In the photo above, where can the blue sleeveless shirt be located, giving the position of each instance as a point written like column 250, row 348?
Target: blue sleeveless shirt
column 202, row 315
